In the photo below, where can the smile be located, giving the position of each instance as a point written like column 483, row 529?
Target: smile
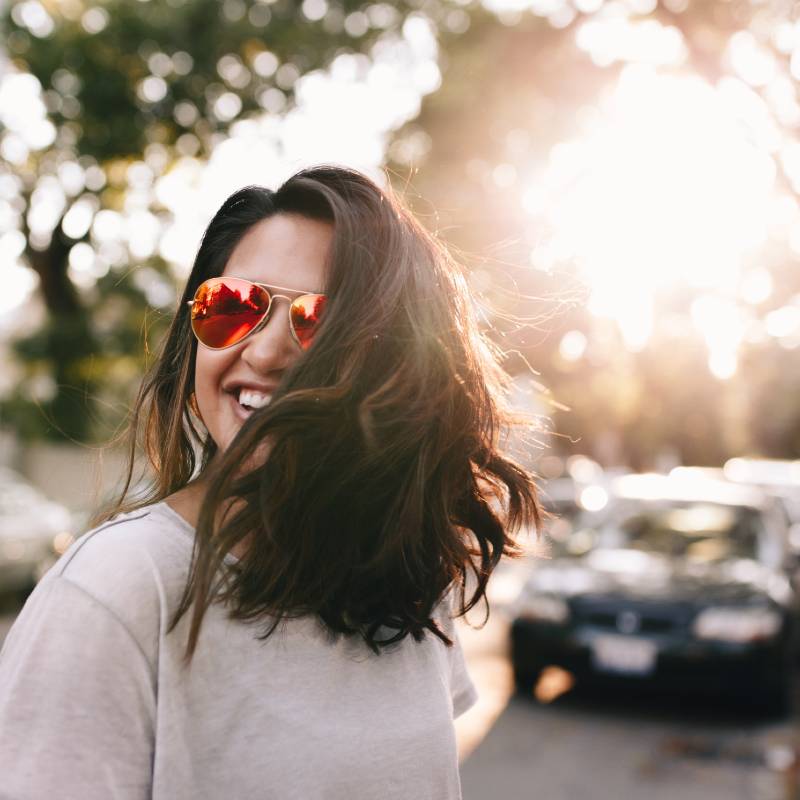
column 245, row 402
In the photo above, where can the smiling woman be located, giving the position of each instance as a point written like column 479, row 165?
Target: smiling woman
column 280, row 251
column 275, row 619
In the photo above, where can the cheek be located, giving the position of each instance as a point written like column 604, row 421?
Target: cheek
column 209, row 369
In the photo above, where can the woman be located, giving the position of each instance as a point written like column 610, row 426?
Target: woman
column 275, row 619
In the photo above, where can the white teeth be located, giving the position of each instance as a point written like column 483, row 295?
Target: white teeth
column 247, row 397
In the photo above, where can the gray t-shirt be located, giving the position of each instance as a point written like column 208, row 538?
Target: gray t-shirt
column 94, row 702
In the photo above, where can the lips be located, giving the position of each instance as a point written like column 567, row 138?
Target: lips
column 234, row 387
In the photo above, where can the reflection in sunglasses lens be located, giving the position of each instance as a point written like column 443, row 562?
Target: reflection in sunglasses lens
column 306, row 313
column 226, row 310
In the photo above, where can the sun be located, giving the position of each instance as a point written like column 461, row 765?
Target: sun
column 669, row 186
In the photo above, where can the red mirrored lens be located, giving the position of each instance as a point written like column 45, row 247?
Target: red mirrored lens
column 306, row 314
column 225, row 310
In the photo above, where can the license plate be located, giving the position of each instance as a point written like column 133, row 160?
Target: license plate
column 623, row 654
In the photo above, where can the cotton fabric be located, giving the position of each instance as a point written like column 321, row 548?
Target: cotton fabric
column 95, row 703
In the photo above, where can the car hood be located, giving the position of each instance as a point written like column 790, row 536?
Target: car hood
column 644, row 576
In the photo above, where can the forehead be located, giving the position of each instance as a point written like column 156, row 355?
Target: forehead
column 285, row 250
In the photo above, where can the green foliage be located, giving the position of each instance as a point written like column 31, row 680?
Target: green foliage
column 198, row 48
column 118, row 77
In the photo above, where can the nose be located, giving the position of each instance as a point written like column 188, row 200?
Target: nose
column 271, row 349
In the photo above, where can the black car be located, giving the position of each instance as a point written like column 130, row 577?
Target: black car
column 681, row 583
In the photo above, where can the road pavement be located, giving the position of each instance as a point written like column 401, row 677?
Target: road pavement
column 609, row 745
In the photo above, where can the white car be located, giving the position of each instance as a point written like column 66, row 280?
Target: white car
column 34, row 531
column 776, row 477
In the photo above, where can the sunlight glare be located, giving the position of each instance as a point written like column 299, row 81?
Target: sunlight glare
column 572, row 345
column 342, row 114
column 18, row 282
column 723, row 326
column 750, row 60
column 668, row 189
column 609, row 39
column 783, row 323
column 593, row 498
column 756, row 286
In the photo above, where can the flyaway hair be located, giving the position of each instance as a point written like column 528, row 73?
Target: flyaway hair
column 373, row 483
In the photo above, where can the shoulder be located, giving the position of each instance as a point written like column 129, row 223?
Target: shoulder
column 147, row 528
column 139, row 545
column 462, row 688
column 135, row 565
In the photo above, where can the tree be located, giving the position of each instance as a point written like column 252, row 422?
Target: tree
column 128, row 88
column 514, row 90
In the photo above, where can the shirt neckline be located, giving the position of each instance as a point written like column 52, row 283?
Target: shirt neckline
column 171, row 512
column 185, row 526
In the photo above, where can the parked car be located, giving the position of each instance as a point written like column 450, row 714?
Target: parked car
column 776, row 477
column 683, row 583
column 34, row 531
column 780, row 478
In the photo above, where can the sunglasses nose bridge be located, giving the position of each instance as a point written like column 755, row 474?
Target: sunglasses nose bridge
column 268, row 315
column 265, row 319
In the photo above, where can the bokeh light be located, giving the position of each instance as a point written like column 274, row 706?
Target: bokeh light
column 666, row 189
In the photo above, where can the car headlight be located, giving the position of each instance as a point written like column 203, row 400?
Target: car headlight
column 542, row 608
column 737, row 624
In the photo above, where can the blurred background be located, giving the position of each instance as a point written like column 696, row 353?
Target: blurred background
column 620, row 179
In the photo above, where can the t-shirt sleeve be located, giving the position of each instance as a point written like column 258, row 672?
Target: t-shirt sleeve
column 462, row 689
column 77, row 701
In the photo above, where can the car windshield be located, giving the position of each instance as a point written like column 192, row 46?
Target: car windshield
column 698, row 532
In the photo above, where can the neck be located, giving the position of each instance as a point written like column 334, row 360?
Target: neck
column 186, row 503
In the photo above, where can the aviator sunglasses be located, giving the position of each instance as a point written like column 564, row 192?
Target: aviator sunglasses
column 227, row 310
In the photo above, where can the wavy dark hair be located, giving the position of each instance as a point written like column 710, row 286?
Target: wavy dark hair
column 384, row 486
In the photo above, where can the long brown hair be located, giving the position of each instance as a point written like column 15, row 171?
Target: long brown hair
column 384, row 486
